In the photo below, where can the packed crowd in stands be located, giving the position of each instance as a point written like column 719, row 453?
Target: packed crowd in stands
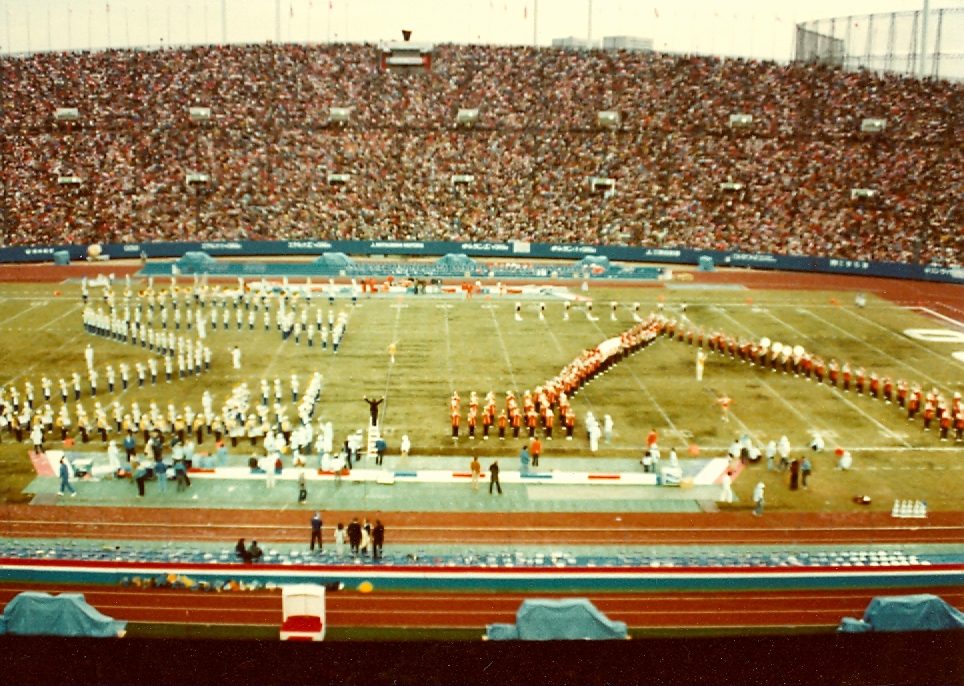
column 270, row 148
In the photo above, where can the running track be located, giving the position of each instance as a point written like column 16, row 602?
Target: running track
column 466, row 610
column 468, row 529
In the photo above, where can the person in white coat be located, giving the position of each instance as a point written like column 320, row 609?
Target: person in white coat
column 594, row 434
column 758, row 498
column 113, row 457
column 783, row 448
column 608, row 428
column 236, row 357
column 771, row 453
column 405, row 447
column 726, row 492
column 817, row 444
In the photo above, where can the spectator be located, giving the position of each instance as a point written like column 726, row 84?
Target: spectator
column 354, row 535
column 316, row 532
column 531, row 153
column 378, row 539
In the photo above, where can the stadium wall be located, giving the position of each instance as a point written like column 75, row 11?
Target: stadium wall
column 511, row 250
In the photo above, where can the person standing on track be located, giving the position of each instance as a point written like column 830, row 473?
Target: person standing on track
column 316, row 532
column 354, row 536
column 378, row 539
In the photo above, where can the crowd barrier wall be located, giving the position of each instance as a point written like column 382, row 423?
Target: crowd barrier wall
column 513, row 251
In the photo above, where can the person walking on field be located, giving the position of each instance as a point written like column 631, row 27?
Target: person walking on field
column 65, row 478
column 494, row 477
column 316, row 532
column 758, row 498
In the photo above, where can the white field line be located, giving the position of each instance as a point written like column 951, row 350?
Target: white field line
column 950, row 307
column 505, row 351
column 24, row 311
column 906, row 339
column 938, row 315
column 584, row 394
column 388, row 379
column 836, row 392
column 27, row 371
column 448, row 350
column 65, row 314
column 804, row 418
column 872, row 347
column 785, row 325
column 811, row 420
column 652, row 399
column 739, row 421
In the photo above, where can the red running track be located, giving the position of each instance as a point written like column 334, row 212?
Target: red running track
column 466, row 610
column 586, row 528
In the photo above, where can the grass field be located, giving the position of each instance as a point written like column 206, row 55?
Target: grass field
column 446, row 343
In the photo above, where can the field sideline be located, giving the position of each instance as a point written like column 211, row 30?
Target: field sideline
column 446, row 343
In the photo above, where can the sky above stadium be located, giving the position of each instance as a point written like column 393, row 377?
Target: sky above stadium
column 749, row 28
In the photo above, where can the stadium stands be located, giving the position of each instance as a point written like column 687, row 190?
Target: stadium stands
column 683, row 176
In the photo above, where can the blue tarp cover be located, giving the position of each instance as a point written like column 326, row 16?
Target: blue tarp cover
column 590, row 261
column 565, row 619
column 196, row 261
column 337, row 260
column 68, row 614
column 924, row 612
column 456, row 262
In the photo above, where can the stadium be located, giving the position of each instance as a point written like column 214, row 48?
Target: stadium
column 677, row 334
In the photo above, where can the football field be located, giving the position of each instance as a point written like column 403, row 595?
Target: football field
column 445, row 343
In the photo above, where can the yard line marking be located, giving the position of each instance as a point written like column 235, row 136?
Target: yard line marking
column 938, row 315
column 659, row 408
column 65, row 314
column 950, row 307
column 388, row 380
column 585, row 394
column 872, row 347
column 903, row 338
column 796, row 331
column 746, row 429
column 880, row 426
column 32, row 307
column 448, row 349
column 772, row 390
column 792, row 408
column 505, row 351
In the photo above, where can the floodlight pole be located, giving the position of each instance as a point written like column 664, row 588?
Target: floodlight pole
column 589, row 27
column 923, row 38
column 277, row 22
column 535, row 23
